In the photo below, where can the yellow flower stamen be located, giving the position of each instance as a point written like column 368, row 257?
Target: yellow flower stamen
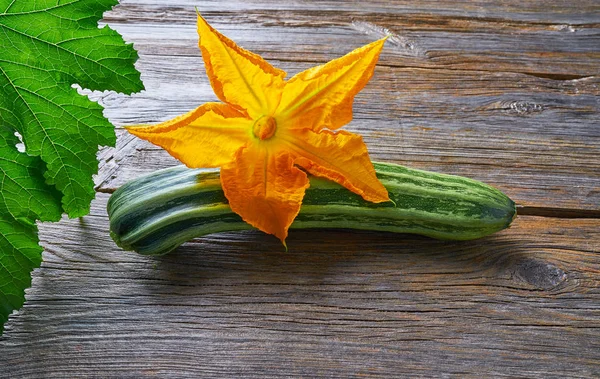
column 264, row 128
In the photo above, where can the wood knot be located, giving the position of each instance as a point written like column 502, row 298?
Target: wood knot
column 524, row 108
column 539, row 274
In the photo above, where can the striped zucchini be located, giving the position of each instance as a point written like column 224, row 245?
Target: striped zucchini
column 158, row 212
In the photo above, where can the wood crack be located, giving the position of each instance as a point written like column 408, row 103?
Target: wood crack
column 524, row 210
column 109, row 190
column 552, row 76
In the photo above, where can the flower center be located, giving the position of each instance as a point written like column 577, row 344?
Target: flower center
column 264, row 128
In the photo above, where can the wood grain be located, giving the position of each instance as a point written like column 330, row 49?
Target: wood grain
column 340, row 303
column 488, row 98
column 562, row 11
column 505, row 92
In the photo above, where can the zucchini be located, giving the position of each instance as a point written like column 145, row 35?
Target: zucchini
column 158, row 212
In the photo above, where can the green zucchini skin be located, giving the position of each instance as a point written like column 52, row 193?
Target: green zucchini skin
column 158, row 212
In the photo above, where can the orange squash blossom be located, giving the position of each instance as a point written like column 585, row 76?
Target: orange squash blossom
column 269, row 132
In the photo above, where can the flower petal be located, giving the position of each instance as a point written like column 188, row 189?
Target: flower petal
column 239, row 77
column 208, row 136
column 264, row 187
column 341, row 157
column 322, row 96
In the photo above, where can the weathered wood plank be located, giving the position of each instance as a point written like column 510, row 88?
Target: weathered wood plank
column 431, row 41
column 565, row 11
column 454, row 93
column 178, row 83
column 550, row 180
column 340, row 303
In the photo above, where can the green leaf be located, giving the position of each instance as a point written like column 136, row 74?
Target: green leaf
column 46, row 46
column 24, row 197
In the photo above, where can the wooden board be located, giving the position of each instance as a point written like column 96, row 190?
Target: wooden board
column 340, row 303
column 511, row 103
column 505, row 92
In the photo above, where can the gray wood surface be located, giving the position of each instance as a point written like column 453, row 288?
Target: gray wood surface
column 505, row 92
